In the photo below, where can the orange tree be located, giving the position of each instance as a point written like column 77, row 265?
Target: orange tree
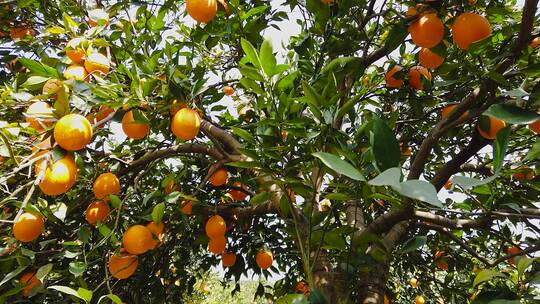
column 321, row 162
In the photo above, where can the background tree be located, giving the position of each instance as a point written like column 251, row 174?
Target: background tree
column 341, row 142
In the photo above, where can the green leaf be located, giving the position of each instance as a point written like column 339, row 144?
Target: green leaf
column 43, row 271
column 499, row 148
column 469, row 182
column 419, row 190
column 334, row 240
column 158, row 212
column 414, row 243
column 254, row 11
column 268, row 60
column 85, row 294
column 111, row 297
column 39, row 68
column 396, row 37
column 311, row 94
column 77, row 268
column 287, row 81
column 115, row 201
column 250, row 72
column 285, row 205
column 68, row 290
column 251, row 53
column 260, row 197
column 35, row 82
column 498, row 78
column 12, row 274
column 389, row 177
column 534, row 152
column 486, row 275
column 522, row 265
column 512, row 114
column 59, row 210
column 385, row 146
column 292, row 298
column 243, row 134
column 340, row 166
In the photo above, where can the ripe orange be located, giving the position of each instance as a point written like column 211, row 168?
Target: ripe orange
column 302, row 287
column 19, row 32
column 448, row 185
column 186, row 207
column 419, row 300
column 448, row 109
column 202, row 10
column 237, row 195
column 170, row 187
column 106, row 184
column 28, row 227
column 52, row 86
column 97, row 211
column 524, row 173
column 411, row 11
column 427, row 31
column 535, row 126
column 217, row 245
column 391, row 81
column 469, row 28
column 535, row 42
column 186, row 124
column 137, row 239
column 416, row 74
column 73, row 132
column 414, row 283
column 59, row 177
column 157, row 233
column 386, row 300
column 405, row 151
column 134, row 130
column 102, row 113
column 96, row 15
column 495, row 125
column 264, row 259
column 76, row 72
column 123, row 265
column 228, row 90
column 512, row 250
column 442, row 265
column 97, row 62
column 228, row 259
column 29, row 280
column 215, row 227
column 219, row 178
column 429, row 59
column 37, row 113
column 75, row 51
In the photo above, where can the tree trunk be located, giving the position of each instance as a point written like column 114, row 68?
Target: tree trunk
column 330, row 281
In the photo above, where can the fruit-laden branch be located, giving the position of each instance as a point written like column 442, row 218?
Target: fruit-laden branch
column 519, row 253
column 174, row 150
column 457, row 240
column 480, row 169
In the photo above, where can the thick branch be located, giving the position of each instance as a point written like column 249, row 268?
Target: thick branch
column 451, row 223
column 174, row 150
column 453, row 166
column 525, row 30
column 222, row 136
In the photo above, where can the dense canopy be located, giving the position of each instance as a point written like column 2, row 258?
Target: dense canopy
column 360, row 151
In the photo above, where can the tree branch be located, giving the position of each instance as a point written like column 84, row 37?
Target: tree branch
column 452, row 223
column 221, row 135
column 450, row 235
column 174, row 150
